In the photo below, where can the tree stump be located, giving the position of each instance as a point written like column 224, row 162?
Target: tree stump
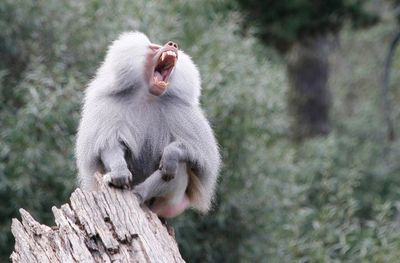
column 104, row 226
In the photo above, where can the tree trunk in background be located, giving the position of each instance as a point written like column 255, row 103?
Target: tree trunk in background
column 309, row 99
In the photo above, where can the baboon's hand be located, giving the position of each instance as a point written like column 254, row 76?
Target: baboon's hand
column 168, row 167
column 120, row 179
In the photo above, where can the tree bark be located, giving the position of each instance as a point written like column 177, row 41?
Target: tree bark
column 309, row 99
column 104, row 226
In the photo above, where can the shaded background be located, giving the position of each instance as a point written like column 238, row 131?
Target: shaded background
column 293, row 90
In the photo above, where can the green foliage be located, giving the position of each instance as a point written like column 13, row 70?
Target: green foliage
column 332, row 199
column 281, row 23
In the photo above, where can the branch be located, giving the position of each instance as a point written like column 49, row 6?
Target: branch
column 385, row 87
column 104, row 226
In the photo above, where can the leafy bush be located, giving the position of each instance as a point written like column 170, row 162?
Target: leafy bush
column 330, row 199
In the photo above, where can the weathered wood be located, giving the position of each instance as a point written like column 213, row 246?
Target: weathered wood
column 104, row 226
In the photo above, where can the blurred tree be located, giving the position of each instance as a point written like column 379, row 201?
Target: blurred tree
column 300, row 31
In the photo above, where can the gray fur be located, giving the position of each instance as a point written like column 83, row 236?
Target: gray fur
column 124, row 130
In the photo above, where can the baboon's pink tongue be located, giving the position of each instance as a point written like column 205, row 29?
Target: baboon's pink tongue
column 158, row 76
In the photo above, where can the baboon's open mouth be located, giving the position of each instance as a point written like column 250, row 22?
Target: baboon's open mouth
column 165, row 64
